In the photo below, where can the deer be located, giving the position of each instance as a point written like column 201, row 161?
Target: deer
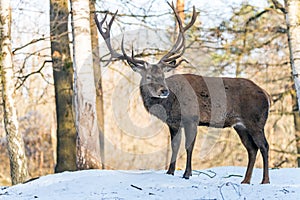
column 186, row 101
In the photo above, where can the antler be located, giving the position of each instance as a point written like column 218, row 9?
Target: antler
column 176, row 51
column 106, row 36
column 179, row 47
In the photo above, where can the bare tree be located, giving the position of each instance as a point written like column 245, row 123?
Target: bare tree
column 88, row 151
column 292, row 12
column 63, row 84
column 292, row 20
column 98, row 80
column 180, row 8
column 16, row 150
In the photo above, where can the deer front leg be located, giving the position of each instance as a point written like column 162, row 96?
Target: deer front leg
column 175, row 144
column 190, row 130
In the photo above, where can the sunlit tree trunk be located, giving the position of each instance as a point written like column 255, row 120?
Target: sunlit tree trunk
column 292, row 8
column 98, row 80
column 296, row 123
column 180, row 9
column 88, row 146
column 16, row 149
column 63, row 84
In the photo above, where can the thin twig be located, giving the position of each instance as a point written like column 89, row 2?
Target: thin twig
column 232, row 175
column 24, row 78
column 210, row 171
column 27, row 44
column 235, row 186
column 136, row 187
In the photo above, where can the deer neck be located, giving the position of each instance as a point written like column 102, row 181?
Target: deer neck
column 148, row 100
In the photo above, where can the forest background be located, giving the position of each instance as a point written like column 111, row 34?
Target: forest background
column 230, row 38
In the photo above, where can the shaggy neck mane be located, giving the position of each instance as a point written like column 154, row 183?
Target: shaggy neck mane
column 148, row 100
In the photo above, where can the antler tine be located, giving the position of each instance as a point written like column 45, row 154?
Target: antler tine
column 171, row 55
column 190, row 24
column 180, row 37
column 136, row 60
column 100, row 24
column 131, row 60
column 178, row 19
column 106, row 35
column 122, row 48
column 112, row 19
column 194, row 17
column 179, row 45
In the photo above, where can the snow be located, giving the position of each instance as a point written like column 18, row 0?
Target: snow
column 215, row 183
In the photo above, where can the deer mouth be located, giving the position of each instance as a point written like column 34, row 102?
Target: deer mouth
column 163, row 93
column 159, row 97
column 164, row 96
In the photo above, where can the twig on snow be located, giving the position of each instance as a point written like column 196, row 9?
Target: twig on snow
column 232, row 175
column 136, row 187
column 235, row 186
column 212, row 175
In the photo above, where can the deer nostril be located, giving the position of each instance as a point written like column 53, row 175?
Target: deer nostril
column 164, row 92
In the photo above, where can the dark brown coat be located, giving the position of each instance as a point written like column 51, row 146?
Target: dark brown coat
column 217, row 102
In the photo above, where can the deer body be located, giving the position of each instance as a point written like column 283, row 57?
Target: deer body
column 246, row 103
column 189, row 105
column 187, row 101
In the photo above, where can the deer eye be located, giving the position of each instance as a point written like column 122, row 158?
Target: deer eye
column 148, row 78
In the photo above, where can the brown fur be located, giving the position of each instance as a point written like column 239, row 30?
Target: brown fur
column 236, row 102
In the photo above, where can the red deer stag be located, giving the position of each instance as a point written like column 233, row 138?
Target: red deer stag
column 187, row 101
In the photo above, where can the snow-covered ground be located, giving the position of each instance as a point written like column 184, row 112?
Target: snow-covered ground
column 215, row 183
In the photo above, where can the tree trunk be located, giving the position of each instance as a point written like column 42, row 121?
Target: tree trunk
column 97, row 80
column 63, row 84
column 88, row 147
column 292, row 8
column 296, row 123
column 180, row 9
column 16, row 149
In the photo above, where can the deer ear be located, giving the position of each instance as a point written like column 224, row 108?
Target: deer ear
column 169, row 68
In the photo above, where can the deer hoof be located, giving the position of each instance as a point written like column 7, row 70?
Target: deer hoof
column 170, row 172
column 187, row 175
column 267, row 181
column 245, row 182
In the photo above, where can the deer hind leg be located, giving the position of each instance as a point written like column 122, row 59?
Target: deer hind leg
column 175, row 144
column 252, row 149
column 262, row 143
column 190, row 130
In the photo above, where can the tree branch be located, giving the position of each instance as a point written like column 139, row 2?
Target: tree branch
column 29, row 43
column 24, row 78
column 279, row 6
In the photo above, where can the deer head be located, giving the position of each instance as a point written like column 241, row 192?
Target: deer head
column 153, row 75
